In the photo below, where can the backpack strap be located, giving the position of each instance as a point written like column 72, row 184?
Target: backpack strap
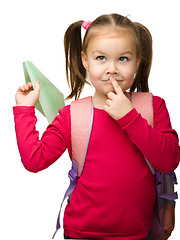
column 143, row 102
column 81, row 126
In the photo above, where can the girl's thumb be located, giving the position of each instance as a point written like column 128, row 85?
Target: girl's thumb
column 37, row 87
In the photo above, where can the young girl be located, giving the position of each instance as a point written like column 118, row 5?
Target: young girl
column 115, row 194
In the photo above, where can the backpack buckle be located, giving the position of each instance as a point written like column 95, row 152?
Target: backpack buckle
column 73, row 176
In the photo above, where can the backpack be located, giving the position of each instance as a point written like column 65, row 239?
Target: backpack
column 163, row 219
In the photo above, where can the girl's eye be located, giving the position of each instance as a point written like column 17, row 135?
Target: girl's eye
column 101, row 58
column 123, row 59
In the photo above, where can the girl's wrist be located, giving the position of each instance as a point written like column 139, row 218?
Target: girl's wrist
column 24, row 105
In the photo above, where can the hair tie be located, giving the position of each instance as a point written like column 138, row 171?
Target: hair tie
column 86, row 24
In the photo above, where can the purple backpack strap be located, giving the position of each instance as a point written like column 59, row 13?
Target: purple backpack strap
column 73, row 179
column 81, row 126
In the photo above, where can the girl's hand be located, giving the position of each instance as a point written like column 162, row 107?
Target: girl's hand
column 117, row 104
column 26, row 96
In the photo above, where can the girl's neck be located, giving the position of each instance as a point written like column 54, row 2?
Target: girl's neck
column 100, row 100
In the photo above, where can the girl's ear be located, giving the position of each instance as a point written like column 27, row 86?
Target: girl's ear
column 84, row 60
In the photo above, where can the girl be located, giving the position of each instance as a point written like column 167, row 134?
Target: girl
column 110, row 199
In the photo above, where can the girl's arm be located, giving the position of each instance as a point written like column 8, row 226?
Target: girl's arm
column 159, row 144
column 37, row 154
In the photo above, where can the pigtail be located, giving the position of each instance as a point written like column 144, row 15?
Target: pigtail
column 75, row 71
column 145, row 40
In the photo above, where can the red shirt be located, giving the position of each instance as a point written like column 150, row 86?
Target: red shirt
column 115, row 194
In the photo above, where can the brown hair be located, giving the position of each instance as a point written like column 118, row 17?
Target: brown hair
column 73, row 45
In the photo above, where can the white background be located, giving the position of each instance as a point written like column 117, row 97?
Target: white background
column 33, row 30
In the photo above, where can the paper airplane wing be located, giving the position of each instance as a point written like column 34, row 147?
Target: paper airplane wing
column 50, row 99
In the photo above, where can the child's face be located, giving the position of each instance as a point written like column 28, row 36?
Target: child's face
column 111, row 54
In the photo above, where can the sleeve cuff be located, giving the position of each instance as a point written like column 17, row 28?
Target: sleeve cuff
column 128, row 119
column 23, row 109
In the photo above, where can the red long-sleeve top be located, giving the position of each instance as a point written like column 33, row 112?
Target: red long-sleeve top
column 115, row 194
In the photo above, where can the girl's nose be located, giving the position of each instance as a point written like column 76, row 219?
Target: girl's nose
column 112, row 69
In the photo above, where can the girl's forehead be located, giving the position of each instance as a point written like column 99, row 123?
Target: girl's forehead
column 110, row 31
column 102, row 35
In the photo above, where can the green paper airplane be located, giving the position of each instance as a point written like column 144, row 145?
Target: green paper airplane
column 50, row 99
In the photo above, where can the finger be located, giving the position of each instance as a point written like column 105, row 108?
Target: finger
column 24, row 88
column 29, row 84
column 106, row 108
column 116, row 86
column 111, row 95
column 108, row 102
column 37, row 87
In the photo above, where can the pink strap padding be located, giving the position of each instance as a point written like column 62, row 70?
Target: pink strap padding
column 143, row 102
column 80, row 124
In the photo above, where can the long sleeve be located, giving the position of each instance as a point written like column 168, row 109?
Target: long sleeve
column 38, row 154
column 159, row 144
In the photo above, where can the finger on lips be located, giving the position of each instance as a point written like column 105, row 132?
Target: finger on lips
column 115, row 84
